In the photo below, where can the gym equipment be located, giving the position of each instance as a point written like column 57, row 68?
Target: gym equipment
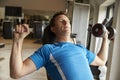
column 36, row 29
column 7, row 30
column 2, row 45
column 98, row 30
column 112, row 33
column 73, row 36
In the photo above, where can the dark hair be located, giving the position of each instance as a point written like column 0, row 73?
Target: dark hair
column 48, row 36
column 52, row 21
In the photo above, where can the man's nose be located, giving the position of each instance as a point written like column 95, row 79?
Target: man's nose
column 64, row 22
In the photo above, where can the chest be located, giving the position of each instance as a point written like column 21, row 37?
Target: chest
column 68, row 54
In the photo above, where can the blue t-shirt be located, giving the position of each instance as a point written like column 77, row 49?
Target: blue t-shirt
column 64, row 61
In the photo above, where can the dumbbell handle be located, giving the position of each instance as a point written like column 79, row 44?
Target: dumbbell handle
column 31, row 30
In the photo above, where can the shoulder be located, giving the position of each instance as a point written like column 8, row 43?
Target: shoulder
column 84, row 48
column 46, row 47
column 80, row 45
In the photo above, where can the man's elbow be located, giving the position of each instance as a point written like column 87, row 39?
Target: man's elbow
column 15, row 76
column 103, row 63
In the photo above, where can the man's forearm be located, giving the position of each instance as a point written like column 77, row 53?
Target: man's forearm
column 16, row 62
column 103, row 53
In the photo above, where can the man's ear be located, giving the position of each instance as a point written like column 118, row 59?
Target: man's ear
column 52, row 29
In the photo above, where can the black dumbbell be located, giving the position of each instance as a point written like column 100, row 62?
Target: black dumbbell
column 98, row 30
column 21, row 21
column 36, row 30
column 112, row 33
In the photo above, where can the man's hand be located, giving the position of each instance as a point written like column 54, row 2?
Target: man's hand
column 21, row 31
column 105, row 36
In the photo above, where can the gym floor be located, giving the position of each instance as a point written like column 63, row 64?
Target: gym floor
column 28, row 48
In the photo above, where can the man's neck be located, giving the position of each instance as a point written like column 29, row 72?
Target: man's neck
column 63, row 39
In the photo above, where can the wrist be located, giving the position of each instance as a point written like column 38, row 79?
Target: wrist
column 106, row 40
column 17, row 40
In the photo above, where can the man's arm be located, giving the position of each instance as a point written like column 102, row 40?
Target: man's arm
column 18, row 67
column 102, row 55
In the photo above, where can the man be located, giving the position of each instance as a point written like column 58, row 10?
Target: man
column 62, row 59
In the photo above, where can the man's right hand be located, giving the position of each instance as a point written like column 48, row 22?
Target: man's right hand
column 21, row 31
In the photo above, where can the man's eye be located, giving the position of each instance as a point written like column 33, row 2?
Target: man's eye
column 64, row 20
column 61, row 20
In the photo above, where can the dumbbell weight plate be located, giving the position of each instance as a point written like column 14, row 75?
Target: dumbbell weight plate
column 7, row 30
column 38, row 29
column 112, row 33
column 98, row 30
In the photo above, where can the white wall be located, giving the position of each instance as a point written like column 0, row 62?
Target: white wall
column 114, row 55
column 80, row 22
column 102, row 14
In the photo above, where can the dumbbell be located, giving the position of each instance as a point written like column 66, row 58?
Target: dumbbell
column 98, row 30
column 21, row 21
column 8, row 28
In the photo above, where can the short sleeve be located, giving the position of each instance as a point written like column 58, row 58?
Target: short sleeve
column 40, row 56
column 90, row 56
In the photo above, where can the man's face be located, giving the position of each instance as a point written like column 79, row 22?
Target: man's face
column 62, row 25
